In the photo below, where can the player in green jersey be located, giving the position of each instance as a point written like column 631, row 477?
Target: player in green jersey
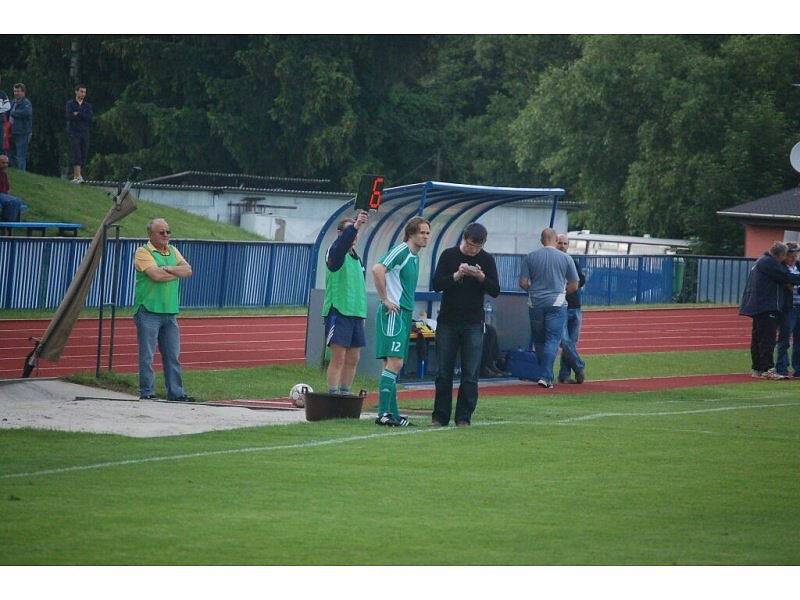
column 395, row 276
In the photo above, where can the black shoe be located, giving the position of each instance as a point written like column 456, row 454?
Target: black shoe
column 404, row 422
column 462, row 423
column 580, row 376
column 148, row 397
column 387, row 420
column 184, row 398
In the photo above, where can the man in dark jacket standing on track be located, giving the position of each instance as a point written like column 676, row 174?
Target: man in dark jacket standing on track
column 79, row 117
column 763, row 301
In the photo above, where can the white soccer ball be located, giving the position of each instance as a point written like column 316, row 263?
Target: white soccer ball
column 298, row 394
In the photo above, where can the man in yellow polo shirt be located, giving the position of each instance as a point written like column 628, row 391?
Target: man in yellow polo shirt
column 159, row 269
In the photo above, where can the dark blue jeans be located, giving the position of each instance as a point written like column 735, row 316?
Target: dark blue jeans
column 570, row 359
column 788, row 330
column 466, row 338
column 159, row 329
column 547, row 327
column 18, row 151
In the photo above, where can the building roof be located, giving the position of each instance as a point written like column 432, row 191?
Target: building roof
column 234, row 182
column 784, row 206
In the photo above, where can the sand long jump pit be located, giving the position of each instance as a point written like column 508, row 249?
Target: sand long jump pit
column 61, row 406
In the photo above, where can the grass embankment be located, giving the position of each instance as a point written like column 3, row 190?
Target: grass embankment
column 57, row 200
column 704, row 476
column 276, row 381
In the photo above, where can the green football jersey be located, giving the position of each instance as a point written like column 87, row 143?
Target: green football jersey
column 402, row 271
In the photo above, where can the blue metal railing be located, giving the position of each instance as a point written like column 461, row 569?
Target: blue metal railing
column 36, row 272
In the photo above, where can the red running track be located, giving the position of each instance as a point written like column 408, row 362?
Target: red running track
column 227, row 342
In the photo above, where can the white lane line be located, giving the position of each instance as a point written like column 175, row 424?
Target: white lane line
column 139, row 461
column 357, row 438
column 674, row 413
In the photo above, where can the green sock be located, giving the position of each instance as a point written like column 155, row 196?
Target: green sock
column 387, row 394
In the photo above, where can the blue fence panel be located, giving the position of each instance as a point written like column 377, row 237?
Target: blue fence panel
column 36, row 272
column 722, row 279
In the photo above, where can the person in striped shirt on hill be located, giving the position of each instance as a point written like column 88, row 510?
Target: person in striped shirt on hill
column 395, row 276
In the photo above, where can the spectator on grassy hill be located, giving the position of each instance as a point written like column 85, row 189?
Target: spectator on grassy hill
column 789, row 327
column 763, row 300
column 159, row 269
column 79, row 117
column 21, row 118
column 5, row 106
column 570, row 359
column 548, row 275
column 10, row 206
column 464, row 274
column 345, row 305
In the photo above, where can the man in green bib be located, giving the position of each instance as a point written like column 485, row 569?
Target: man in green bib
column 345, row 306
column 159, row 269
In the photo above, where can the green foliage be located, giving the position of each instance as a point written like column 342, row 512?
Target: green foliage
column 654, row 133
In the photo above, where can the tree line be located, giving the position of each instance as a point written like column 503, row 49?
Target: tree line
column 653, row 133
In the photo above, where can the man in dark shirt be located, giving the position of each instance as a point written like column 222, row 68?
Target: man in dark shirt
column 463, row 274
column 79, row 117
column 570, row 359
column 21, row 117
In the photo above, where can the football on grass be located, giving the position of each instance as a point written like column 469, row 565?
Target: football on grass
column 298, row 394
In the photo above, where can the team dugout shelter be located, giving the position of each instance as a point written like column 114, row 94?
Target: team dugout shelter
column 449, row 207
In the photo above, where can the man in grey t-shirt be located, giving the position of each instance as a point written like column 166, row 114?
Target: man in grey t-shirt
column 548, row 275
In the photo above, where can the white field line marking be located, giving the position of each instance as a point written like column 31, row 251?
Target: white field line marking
column 138, row 461
column 317, row 443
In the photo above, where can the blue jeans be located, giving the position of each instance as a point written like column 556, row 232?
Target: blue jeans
column 161, row 329
column 570, row 359
column 18, row 151
column 547, row 328
column 10, row 207
column 789, row 329
column 450, row 339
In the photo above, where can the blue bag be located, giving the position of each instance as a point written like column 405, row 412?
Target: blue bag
column 523, row 364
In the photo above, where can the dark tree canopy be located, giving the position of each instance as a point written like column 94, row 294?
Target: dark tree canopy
column 654, row 133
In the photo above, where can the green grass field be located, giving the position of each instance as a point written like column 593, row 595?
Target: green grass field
column 700, row 476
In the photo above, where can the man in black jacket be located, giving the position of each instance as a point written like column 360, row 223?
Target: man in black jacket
column 463, row 274
column 763, row 301
column 79, row 117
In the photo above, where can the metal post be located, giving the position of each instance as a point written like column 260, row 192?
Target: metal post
column 553, row 214
column 114, row 293
column 102, row 297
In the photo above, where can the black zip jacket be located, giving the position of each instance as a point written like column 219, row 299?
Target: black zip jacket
column 764, row 290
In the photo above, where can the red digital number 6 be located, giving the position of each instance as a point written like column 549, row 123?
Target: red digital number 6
column 377, row 193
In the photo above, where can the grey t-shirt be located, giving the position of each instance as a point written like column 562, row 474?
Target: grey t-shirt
column 548, row 269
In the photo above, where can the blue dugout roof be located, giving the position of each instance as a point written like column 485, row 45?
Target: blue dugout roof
column 448, row 206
